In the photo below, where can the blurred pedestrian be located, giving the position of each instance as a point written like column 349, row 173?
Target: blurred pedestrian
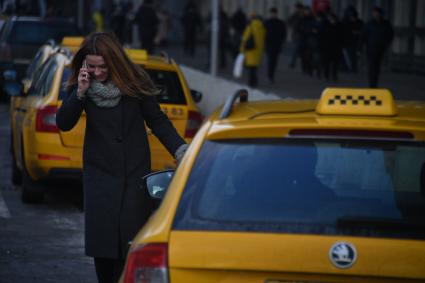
column 223, row 37
column 378, row 36
column 98, row 22
column 147, row 21
column 192, row 24
column 308, row 40
column 118, row 21
column 275, row 37
column 117, row 97
column 164, row 28
column 129, row 16
column 252, row 46
column 238, row 24
column 352, row 31
column 295, row 24
column 332, row 38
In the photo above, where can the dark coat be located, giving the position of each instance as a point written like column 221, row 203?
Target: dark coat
column 378, row 36
column 116, row 155
column 275, row 35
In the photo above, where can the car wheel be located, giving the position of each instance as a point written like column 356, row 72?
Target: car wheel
column 32, row 191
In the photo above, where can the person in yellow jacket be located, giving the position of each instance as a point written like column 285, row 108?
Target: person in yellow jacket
column 252, row 46
column 98, row 21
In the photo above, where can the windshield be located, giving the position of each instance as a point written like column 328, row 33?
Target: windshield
column 298, row 186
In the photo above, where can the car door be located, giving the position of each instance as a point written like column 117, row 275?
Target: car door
column 173, row 103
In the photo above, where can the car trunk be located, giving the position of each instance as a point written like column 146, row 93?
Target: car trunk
column 160, row 157
column 272, row 257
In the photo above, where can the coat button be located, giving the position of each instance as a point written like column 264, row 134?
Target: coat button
column 119, row 139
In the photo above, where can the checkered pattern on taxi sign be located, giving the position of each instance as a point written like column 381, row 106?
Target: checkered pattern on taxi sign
column 371, row 100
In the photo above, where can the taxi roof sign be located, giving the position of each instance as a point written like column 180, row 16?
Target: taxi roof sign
column 72, row 42
column 137, row 54
column 356, row 101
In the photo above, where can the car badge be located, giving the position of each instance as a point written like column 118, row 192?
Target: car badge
column 343, row 255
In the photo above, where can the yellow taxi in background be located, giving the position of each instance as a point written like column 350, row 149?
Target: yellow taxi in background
column 176, row 100
column 41, row 152
column 72, row 42
column 292, row 191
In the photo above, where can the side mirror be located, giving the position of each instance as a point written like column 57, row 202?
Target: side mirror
column 196, row 95
column 12, row 88
column 157, row 183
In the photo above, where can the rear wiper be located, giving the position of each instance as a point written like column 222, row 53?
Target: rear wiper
column 378, row 222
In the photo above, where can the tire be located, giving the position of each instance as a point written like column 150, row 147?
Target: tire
column 32, row 191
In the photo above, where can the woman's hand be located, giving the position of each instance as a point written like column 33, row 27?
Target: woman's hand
column 83, row 80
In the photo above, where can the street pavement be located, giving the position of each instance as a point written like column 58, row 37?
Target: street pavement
column 42, row 242
column 292, row 83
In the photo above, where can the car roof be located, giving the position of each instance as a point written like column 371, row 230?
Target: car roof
column 281, row 118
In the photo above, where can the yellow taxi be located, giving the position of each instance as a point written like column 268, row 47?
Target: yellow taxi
column 41, row 152
column 328, row 190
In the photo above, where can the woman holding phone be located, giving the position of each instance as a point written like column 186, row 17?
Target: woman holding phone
column 118, row 97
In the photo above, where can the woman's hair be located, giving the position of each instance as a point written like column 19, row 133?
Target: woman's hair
column 130, row 78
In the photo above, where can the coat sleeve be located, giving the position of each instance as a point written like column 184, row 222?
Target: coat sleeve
column 160, row 125
column 70, row 111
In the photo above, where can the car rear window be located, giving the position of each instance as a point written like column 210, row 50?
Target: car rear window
column 37, row 33
column 169, row 83
column 332, row 187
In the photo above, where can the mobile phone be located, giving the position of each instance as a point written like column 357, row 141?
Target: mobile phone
column 85, row 66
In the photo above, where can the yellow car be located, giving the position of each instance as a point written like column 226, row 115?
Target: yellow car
column 41, row 152
column 292, row 191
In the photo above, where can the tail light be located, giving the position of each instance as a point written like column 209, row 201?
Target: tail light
column 193, row 124
column 46, row 120
column 146, row 264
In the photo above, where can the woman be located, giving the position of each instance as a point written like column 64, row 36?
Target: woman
column 118, row 97
column 252, row 46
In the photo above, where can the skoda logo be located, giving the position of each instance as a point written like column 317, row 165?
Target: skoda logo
column 343, row 255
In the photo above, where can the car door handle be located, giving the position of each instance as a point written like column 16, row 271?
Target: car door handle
column 21, row 110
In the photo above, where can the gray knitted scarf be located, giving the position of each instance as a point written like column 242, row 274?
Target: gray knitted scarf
column 104, row 95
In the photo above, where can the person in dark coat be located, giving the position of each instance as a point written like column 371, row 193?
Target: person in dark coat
column 295, row 23
column 192, row 24
column 275, row 37
column 118, row 97
column 352, row 32
column 378, row 37
column 331, row 46
column 238, row 23
column 118, row 21
column 147, row 22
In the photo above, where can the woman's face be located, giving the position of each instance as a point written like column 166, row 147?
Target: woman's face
column 97, row 68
